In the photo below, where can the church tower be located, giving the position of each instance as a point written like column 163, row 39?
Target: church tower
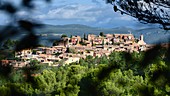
column 141, row 37
column 141, row 41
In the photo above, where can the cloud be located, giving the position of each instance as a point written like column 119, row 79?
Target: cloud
column 87, row 14
column 96, row 2
column 77, row 12
column 105, row 21
column 22, row 13
column 124, row 18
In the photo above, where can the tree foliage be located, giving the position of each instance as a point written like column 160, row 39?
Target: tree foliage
column 100, row 76
column 146, row 11
column 101, row 34
column 63, row 35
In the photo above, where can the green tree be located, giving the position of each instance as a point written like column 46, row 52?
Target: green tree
column 34, row 51
column 71, row 36
column 118, row 59
column 34, row 62
column 75, row 73
column 121, row 83
column 17, row 76
column 104, row 60
column 71, row 50
column 5, row 91
column 102, row 42
column 63, row 35
column 56, row 43
column 45, row 82
column 84, row 37
column 9, row 44
column 101, row 34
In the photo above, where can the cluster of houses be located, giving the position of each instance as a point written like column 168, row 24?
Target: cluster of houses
column 75, row 48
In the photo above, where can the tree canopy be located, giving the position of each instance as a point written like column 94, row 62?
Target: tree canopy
column 146, row 11
column 99, row 76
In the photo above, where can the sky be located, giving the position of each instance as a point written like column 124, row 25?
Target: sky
column 95, row 13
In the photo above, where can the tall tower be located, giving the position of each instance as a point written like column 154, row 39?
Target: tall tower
column 141, row 41
column 141, row 37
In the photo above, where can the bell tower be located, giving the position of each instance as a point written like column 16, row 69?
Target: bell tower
column 141, row 37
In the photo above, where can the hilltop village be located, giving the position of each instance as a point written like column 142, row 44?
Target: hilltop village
column 73, row 49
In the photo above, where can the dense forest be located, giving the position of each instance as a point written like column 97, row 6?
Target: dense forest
column 119, row 74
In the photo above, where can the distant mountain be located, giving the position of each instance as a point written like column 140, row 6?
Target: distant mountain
column 151, row 35
column 155, row 35
column 77, row 29
column 74, row 26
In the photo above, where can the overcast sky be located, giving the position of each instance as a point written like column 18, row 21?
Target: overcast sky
column 95, row 13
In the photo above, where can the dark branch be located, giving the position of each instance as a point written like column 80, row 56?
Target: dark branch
column 148, row 11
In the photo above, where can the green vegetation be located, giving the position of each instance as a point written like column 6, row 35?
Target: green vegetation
column 64, row 35
column 6, row 54
column 6, row 50
column 56, row 43
column 9, row 44
column 119, row 73
column 101, row 34
column 82, row 42
column 71, row 50
column 85, row 37
column 57, row 54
